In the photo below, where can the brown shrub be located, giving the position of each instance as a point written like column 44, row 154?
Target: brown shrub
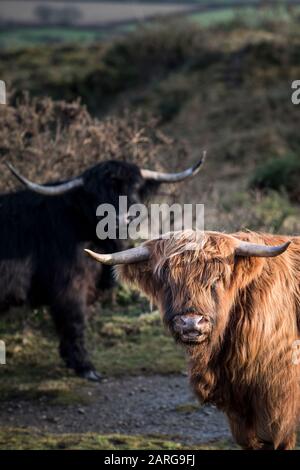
column 50, row 140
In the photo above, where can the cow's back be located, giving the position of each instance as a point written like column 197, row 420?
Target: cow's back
column 42, row 249
column 37, row 235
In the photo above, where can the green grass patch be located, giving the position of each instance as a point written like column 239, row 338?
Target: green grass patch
column 212, row 18
column 31, row 439
column 187, row 408
column 24, row 37
column 20, row 37
column 244, row 17
column 135, row 345
column 123, row 340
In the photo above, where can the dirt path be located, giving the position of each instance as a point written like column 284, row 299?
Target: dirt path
column 157, row 405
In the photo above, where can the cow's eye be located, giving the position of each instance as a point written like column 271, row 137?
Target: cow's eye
column 214, row 285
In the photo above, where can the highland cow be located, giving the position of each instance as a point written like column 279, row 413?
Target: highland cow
column 233, row 302
column 44, row 230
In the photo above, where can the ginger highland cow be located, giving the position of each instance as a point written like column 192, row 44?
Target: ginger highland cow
column 233, row 302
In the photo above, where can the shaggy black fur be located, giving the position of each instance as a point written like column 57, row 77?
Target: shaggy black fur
column 42, row 261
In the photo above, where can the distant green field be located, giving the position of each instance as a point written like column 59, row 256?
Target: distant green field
column 23, row 37
column 30, row 36
column 214, row 17
column 246, row 15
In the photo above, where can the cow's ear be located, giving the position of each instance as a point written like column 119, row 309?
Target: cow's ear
column 246, row 270
column 133, row 273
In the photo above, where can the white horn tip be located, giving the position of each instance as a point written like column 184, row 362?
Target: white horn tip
column 89, row 252
column 101, row 258
column 199, row 164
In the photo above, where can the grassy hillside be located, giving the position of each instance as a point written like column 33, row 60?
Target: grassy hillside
column 227, row 90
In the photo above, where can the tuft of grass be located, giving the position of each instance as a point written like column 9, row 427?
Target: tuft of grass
column 134, row 344
column 31, row 439
column 279, row 174
column 187, row 408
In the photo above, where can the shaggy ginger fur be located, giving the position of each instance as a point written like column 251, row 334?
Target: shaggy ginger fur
column 245, row 366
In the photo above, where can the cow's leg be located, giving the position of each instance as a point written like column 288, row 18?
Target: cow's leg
column 243, row 433
column 68, row 316
column 248, row 438
column 288, row 443
column 107, row 286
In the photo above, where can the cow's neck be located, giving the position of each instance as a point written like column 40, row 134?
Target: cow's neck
column 258, row 340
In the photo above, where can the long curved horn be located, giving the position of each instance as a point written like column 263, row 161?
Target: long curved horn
column 46, row 190
column 263, row 251
column 133, row 255
column 173, row 177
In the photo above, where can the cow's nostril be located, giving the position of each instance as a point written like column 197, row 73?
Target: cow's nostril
column 191, row 322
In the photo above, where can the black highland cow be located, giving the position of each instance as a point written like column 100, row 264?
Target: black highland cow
column 44, row 231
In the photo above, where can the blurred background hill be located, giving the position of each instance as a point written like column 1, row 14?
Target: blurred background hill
column 223, row 85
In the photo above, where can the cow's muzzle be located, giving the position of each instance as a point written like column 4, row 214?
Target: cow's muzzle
column 190, row 328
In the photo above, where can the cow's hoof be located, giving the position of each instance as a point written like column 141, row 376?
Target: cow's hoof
column 91, row 375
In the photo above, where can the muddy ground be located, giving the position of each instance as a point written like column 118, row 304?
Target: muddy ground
column 156, row 405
